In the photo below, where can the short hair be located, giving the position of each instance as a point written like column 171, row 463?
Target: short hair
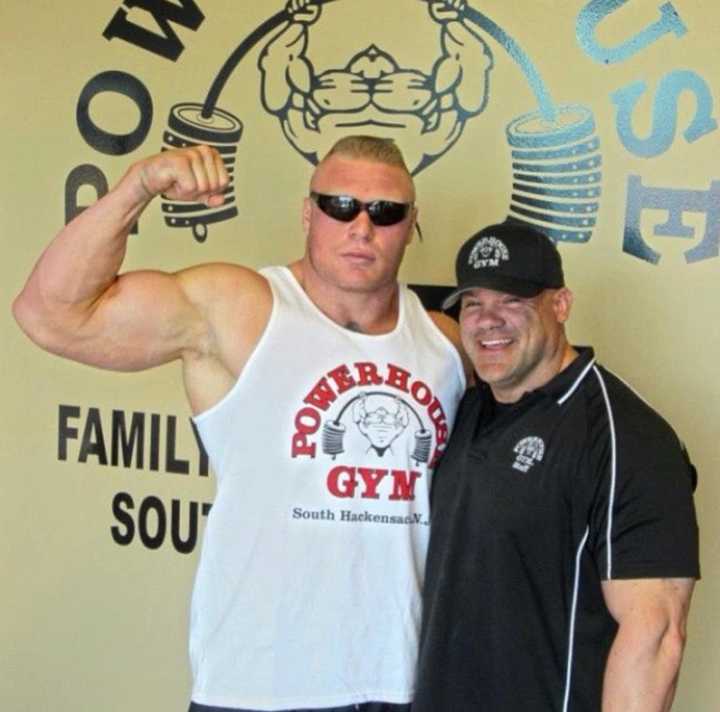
column 371, row 148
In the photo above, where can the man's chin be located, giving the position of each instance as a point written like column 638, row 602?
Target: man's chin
column 493, row 369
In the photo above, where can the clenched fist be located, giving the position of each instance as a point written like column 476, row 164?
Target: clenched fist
column 195, row 174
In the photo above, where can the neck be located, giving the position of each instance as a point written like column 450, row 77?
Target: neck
column 368, row 312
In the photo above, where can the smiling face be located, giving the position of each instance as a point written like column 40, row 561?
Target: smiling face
column 516, row 344
column 357, row 255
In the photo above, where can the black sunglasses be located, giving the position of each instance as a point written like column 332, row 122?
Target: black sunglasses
column 345, row 208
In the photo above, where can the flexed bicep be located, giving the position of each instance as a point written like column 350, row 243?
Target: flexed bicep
column 76, row 303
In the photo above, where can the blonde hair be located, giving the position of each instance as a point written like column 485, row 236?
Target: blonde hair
column 371, row 148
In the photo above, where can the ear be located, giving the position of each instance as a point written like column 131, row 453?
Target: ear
column 306, row 210
column 413, row 223
column 562, row 304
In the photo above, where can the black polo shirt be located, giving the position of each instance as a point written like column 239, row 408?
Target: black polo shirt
column 533, row 506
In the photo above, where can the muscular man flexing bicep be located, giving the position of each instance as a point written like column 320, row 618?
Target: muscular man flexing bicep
column 76, row 304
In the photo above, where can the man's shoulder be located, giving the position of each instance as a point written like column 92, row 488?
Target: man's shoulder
column 446, row 324
column 633, row 415
column 451, row 330
column 229, row 296
column 214, row 280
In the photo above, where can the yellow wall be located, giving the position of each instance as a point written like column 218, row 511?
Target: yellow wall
column 92, row 624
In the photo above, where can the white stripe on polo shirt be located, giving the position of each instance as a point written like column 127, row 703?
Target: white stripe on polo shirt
column 613, row 473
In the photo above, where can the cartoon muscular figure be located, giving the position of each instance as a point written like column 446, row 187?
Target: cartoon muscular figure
column 372, row 94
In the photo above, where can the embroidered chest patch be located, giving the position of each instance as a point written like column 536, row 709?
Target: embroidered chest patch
column 527, row 452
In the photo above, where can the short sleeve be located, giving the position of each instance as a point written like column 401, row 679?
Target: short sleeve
column 642, row 516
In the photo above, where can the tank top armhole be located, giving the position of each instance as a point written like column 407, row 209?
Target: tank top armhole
column 409, row 294
column 268, row 274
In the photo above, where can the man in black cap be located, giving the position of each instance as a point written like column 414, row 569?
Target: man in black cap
column 564, row 547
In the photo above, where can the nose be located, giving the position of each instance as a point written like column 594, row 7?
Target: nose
column 482, row 317
column 362, row 227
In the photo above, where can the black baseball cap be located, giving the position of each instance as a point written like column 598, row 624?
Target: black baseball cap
column 508, row 257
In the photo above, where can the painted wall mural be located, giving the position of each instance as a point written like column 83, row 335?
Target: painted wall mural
column 594, row 120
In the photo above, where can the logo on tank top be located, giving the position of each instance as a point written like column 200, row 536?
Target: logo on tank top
column 378, row 427
column 527, row 452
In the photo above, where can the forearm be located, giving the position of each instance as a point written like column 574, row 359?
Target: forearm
column 642, row 670
column 84, row 258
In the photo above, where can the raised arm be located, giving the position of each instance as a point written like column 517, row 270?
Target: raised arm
column 74, row 303
column 644, row 660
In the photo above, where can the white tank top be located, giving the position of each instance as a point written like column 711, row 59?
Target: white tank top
column 308, row 588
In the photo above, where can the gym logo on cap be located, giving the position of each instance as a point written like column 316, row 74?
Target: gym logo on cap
column 527, row 452
column 488, row 252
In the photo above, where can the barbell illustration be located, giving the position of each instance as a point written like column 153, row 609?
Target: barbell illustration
column 333, row 432
column 555, row 152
